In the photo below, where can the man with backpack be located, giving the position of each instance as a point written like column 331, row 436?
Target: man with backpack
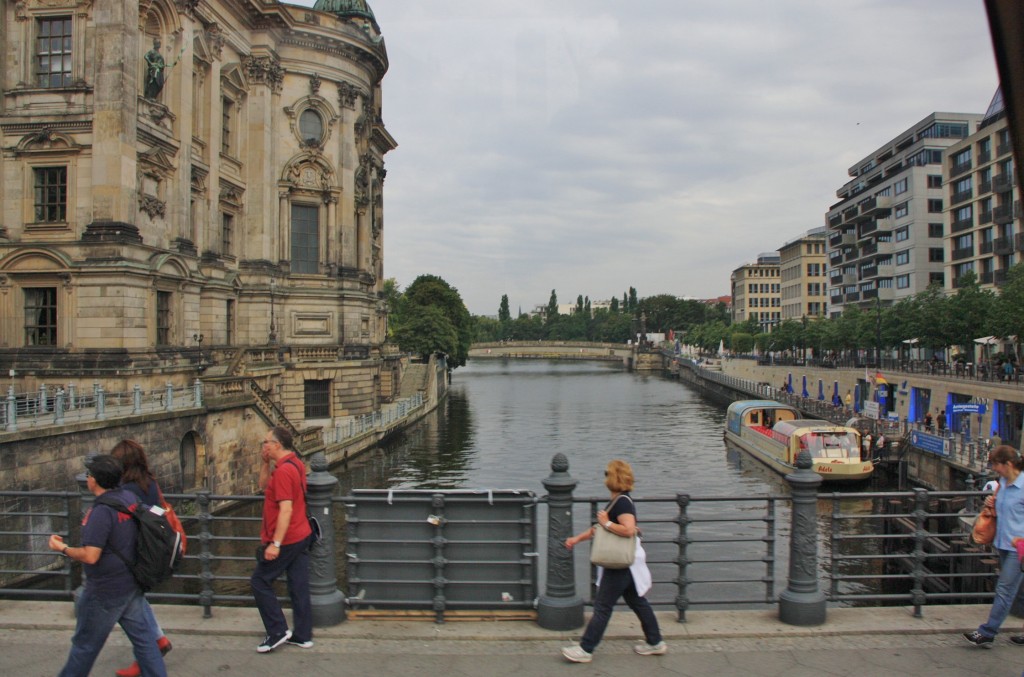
column 285, row 537
column 111, row 593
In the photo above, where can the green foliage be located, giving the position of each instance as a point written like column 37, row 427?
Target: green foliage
column 503, row 312
column 430, row 291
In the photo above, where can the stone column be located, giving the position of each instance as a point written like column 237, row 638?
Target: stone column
column 802, row 603
column 328, row 602
column 560, row 608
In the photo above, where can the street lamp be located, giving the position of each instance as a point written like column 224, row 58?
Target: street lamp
column 272, row 338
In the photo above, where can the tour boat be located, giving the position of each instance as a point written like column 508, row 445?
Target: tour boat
column 775, row 434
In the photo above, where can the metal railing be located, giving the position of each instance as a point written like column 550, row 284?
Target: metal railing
column 384, row 418
column 719, row 552
column 59, row 406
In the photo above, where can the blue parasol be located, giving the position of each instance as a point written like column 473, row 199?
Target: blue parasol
column 856, row 398
column 803, row 392
column 835, row 394
column 821, row 389
column 789, row 383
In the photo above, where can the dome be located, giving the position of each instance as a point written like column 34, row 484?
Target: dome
column 345, row 9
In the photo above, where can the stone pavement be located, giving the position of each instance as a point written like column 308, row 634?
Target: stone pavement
column 873, row 642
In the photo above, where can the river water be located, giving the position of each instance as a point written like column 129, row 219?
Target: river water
column 504, row 420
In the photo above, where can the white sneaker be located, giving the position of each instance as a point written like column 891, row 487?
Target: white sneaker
column 576, row 654
column 651, row 649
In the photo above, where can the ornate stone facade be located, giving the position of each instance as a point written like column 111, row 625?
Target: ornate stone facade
column 161, row 238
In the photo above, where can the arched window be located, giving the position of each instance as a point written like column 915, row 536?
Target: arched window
column 187, row 457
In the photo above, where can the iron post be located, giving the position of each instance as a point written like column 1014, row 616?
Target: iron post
column 560, row 608
column 328, row 602
column 802, row 603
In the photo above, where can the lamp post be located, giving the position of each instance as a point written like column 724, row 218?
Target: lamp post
column 878, row 332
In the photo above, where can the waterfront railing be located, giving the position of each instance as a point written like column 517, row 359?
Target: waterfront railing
column 733, row 552
column 50, row 406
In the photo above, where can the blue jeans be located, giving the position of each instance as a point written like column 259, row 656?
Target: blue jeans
column 294, row 561
column 617, row 583
column 96, row 618
column 1008, row 588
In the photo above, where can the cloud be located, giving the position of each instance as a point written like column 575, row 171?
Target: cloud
column 589, row 146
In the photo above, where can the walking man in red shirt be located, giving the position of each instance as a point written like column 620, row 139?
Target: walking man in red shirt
column 286, row 538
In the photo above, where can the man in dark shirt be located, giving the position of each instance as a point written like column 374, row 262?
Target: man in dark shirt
column 111, row 594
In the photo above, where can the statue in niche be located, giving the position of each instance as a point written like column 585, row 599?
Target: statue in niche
column 155, row 65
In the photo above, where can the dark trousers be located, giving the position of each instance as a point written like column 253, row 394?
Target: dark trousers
column 293, row 561
column 616, row 583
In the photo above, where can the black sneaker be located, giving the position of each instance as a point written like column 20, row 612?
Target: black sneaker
column 978, row 639
column 271, row 642
column 302, row 644
column 1017, row 639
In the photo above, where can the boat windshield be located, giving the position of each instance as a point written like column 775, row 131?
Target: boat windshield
column 838, row 444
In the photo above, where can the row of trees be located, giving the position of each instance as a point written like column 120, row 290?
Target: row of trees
column 430, row 316
column 931, row 320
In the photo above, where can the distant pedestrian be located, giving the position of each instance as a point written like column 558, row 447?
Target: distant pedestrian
column 928, row 421
column 942, row 421
column 866, row 447
column 630, row 584
column 111, row 594
column 286, row 537
column 1009, row 505
column 880, row 444
column 848, row 399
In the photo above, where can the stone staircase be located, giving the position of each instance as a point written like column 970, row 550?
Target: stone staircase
column 415, row 379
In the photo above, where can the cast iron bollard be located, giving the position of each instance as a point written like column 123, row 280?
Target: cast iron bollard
column 802, row 603
column 560, row 608
column 328, row 602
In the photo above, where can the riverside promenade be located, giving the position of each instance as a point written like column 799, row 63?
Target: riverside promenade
column 868, row 642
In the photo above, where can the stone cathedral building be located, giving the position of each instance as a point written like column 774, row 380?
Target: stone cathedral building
column 194, row 189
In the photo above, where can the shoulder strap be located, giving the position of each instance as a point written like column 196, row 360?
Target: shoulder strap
column 302, row 473
column 109, row 502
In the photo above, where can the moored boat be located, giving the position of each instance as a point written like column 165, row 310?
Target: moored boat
column 776, row 433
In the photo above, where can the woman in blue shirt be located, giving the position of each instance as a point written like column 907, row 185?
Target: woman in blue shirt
column 1009, row 504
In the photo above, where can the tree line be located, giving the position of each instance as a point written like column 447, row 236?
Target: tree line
column 430, row 317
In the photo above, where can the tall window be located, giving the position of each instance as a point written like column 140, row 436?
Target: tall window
column 226, row 140
column 934, row 230
column 305, row 239
column 51, row 194
column 53, row 52
column 41, row 316
column 229, row 318
column 935, row 181
column 227, row 226
column 900, row 187
column 317, row 399
column 163, row 318
column 934, row 206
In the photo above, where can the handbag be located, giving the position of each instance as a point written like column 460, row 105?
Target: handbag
column 983, row 532
column 612, row 551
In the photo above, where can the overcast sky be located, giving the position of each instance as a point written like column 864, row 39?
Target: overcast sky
column 588, row 146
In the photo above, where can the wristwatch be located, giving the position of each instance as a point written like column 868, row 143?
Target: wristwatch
column 65, row 550
column 608, row 524
column 276, row 544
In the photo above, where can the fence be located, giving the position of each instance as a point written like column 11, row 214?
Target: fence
column 61, row 406
column 386, row 417
column 906, row 548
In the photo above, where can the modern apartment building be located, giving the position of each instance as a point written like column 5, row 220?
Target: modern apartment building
column 886, row 233
column 757, row 292
column 984, row 215
column 803, row 271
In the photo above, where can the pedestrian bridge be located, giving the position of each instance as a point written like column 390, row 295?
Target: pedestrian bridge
column 554, row 350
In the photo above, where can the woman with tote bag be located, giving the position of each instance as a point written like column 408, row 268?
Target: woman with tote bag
column 630, row 583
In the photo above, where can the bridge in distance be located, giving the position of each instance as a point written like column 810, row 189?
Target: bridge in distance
column 554, row 350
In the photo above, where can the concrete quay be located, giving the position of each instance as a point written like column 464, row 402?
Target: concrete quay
column 869, row 642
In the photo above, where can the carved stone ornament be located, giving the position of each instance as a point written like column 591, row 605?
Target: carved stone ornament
column 231, row 194
column 187, row 6
column 314, row 84
column 152, row 206
column 347, row 95
column 263, row 70
column 20, row 10
column 215, row 39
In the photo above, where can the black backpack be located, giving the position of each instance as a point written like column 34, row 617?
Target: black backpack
column 157, row 545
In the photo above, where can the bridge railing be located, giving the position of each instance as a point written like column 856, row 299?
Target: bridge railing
column 903, row 548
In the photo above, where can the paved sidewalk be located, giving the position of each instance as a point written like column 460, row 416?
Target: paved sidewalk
column 872, row 642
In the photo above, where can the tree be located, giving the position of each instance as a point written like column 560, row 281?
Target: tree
column 970, row 313
column 614, row 306
column 431, row 290
column 1009, row 307
column 393, row 300
column 503, row 313
column 552, row 309
column 633, row 303
column 425, row 330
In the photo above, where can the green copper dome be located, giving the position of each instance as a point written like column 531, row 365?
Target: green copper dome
column 346, row 8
